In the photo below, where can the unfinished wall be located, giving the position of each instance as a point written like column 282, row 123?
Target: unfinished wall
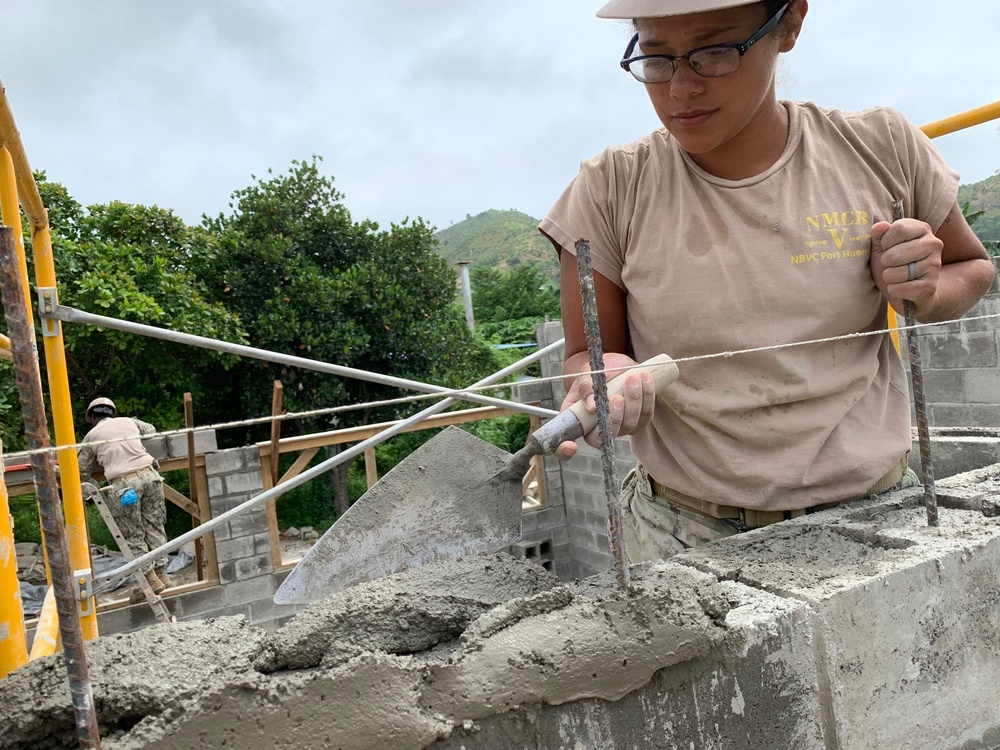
column 960, row 363
column 245, row 571
column 858, row 628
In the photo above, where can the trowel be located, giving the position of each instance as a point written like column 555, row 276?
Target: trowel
column 454, row 496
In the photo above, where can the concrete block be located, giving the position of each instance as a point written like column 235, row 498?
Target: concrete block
column 244, row 481
column 156, row 447
column 910, row 615
column 529, row 522
column 216, row 487
column 225, row 462
column 261, row 543
column 987, row 306
column 252, row 567
column 945, row 351
column 532, row 391
column 235, row 549
column 253, row 589
column 251, row 458
column 946, row 386
column 956, row 454
column 194, row 604
column 223, row 532
column 549, row 517
column 982, row 385
column 965, row 415
column 227, row 572
column 248, row 523
column 204, row 442
column 114, row 621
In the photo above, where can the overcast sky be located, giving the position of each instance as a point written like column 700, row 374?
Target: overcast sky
column 432, row 108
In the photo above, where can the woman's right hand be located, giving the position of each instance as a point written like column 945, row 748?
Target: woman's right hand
column 629, row 412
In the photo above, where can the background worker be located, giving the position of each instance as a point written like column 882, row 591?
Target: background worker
column 136, row 500
column 746, row 222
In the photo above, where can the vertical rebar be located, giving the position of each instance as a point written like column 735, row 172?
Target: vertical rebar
column 592, row 328
column 919, row 402
column 27, row 376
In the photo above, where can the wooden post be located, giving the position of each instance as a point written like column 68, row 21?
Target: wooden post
column 276, row 411
column 371, row 468
column 204, row 548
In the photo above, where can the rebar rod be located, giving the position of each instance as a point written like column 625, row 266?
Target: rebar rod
column 612, row 492
column 919, row 401
column 28, row 378
column 72, row 315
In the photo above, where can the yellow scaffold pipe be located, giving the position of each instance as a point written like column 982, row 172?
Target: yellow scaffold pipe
column 13, row 642
column 55, row 361
column 47, row 640
column 976, row 116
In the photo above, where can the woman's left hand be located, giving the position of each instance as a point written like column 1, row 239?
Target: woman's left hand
column 906, row 263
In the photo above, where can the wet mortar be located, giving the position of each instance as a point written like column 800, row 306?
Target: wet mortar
column 411, row 660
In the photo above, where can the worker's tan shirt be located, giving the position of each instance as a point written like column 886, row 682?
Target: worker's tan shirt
column 116, row 458
column 712, row 265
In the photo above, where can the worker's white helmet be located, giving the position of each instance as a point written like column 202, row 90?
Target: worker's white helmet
column 661, row 8
column 101, row 408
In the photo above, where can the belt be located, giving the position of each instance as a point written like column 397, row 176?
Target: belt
column 133, row 474
column 755, row 519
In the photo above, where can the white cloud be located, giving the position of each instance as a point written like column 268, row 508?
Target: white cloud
column 439, row 108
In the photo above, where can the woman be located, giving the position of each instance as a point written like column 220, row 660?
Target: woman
column 752, row 222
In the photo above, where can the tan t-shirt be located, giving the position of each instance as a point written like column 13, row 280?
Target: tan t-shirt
column 115, row 458
column 712, row 265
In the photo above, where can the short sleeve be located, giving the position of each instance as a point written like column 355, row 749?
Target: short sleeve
column 591, row 209
column 933, row 185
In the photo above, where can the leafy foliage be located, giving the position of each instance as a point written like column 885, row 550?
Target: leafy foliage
column 307, row 280
column 980, row 203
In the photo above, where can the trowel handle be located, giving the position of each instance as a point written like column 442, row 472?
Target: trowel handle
column 576, row 421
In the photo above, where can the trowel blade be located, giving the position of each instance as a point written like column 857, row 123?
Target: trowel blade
column 445, row 500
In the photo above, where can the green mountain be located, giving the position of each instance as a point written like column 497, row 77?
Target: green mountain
column 498, row 239
column 983, row 196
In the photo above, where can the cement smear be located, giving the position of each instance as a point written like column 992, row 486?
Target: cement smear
column 396, row 663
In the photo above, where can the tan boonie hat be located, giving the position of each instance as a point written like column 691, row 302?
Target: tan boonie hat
column 660, row 8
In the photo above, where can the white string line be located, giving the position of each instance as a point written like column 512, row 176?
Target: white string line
column 458, row 393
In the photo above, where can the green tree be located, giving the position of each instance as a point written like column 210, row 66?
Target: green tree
column 509, row 304
column 134, row 263
column 307, row 280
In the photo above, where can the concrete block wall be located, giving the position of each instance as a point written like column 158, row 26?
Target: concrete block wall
column 175, row 446
column 246, row 575
column 544, row 533
column 960, row 363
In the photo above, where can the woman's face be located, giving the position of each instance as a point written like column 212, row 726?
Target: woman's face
column 707, row 116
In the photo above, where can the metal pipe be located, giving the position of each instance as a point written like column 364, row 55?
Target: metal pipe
column 470, row 319
column 72, row 315
column 595, row 349
column 26, row 373
column 13, row 641
column 31, row 199
column 976, row 116
column 319, row 469
column 62, row 422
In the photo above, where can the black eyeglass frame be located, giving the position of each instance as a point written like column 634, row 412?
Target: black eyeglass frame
column 742, row 48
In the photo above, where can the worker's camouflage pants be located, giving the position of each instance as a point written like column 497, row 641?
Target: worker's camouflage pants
column 654, row 527
column 142, row 522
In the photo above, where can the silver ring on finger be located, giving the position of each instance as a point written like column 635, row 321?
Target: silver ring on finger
column 911, row 271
